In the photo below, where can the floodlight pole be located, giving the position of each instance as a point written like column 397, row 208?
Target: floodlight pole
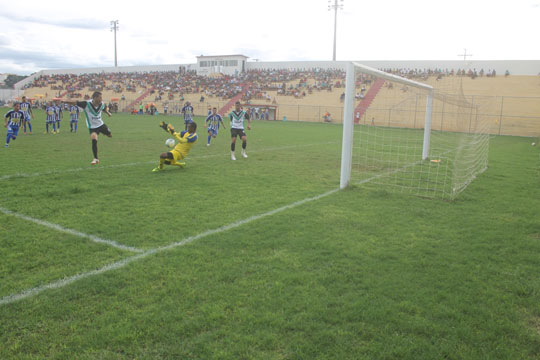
column 336, row 6
column 114, row 27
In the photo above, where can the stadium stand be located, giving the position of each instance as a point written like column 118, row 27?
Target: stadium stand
column 304, row 95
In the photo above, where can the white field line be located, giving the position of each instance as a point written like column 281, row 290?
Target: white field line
column 90, row 168
column 119, row 264
column 70, row 231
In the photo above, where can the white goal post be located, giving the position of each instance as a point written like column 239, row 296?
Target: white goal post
column 348, row 114
column 424, row 138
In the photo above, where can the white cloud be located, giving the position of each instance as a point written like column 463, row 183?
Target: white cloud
column 37, row 35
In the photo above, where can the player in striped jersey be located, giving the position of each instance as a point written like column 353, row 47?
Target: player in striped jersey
column 237, row 117
column 58, row 110
column 51, row 118
column 12, row 121
column 93, row 110
column 26, row 108
column 74, row 117
column 212, row 121
column 187, row 110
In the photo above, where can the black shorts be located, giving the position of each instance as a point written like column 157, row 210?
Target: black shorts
column 237, row 132
column 103, row 129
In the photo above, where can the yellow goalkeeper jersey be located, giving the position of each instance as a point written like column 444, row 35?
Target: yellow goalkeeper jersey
column 185, row 142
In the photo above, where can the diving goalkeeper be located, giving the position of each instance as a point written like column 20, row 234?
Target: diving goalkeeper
column 186, row 140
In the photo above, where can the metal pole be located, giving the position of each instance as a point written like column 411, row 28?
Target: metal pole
column 348, row 128
column 442, row 117
column 114, row 27
column 470, row 115
column 115, row 51
column 335, row 29
column 415, row 110
column 335, row 7
column 427, row 126
column 501, row 114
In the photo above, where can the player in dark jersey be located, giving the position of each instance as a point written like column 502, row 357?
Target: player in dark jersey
column 50, row 119
column 212, row 122
column 187, row 110
column 74, row 117
column 26, row 108
column 58, row 111
column 13, row 121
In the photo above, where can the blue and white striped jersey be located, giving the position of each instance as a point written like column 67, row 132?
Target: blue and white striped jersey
column 14, row 118
column 213, row 121
column 25, row 108
column 58, row 111
column 188, row 113
column 74, row 113
column 51, row 114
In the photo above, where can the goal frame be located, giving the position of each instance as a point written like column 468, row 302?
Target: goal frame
column 348, row 118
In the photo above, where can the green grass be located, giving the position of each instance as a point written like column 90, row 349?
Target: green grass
column 359, row 274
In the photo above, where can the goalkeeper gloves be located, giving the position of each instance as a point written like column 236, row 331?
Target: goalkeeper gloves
column 167, row 127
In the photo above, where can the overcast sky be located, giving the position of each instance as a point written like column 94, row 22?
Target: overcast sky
column 36, row 35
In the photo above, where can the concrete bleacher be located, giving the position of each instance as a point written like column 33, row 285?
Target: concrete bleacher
column 513, row 98
column 510, row 105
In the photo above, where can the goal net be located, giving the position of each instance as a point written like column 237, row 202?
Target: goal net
column 414, row 132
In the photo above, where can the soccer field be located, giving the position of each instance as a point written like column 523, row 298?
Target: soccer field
column 260, row 258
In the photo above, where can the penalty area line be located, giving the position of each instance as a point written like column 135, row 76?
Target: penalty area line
column 120, row 264
column 56, row 227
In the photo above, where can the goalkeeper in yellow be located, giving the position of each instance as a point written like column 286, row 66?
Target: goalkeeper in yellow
column 186, row 140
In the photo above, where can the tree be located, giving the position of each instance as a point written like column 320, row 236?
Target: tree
column 11, row 80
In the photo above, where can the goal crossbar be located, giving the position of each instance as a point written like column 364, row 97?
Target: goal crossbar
column 391, row 77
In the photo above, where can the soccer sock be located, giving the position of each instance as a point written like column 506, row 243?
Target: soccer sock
column 94, row 148
column 161, row 162
column 24, row 127
column 8, row 138
column 29, row 127
column 244, row 144
column 58, row 125
column 233, row 146
column 209, row 138
column 54, row 127
column 47, row 127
